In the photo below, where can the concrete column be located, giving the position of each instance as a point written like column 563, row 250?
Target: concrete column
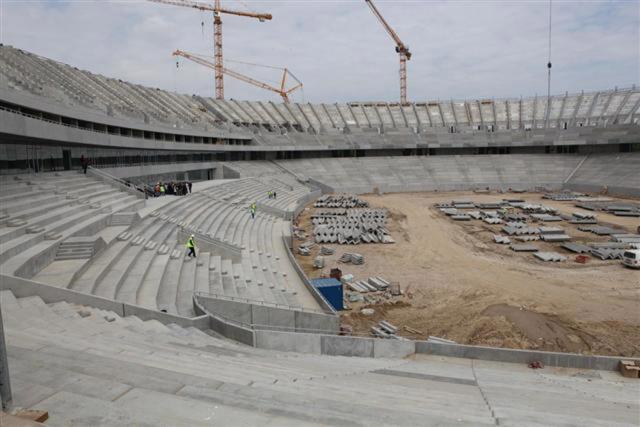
column 5, row 384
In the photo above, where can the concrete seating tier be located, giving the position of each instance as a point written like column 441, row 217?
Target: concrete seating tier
column 57, row 206
column 88, row 366
column 438, row 172
column 247, row 190
column 595, row 108
column 147, row 265
column 620, row 173
column 307, row 124
column 70, row 86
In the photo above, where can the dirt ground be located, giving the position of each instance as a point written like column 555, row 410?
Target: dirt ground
column 461, row 286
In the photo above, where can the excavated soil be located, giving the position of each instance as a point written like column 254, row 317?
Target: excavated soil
column 461, row 286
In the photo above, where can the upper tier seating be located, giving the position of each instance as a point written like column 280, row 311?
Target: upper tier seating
column 90, row 367
column 73, row 87
column 355, row 124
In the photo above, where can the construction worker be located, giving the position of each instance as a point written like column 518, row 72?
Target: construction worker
column 252, row 208
column 191, row 245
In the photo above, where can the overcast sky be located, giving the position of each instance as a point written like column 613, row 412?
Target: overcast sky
column 461, row 49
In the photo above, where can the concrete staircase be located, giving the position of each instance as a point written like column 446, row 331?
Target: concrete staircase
column 123, row 219
column 75, row 249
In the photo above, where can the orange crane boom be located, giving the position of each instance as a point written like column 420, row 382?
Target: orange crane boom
column 217, row 10
column 282, row 90
column 401, row 48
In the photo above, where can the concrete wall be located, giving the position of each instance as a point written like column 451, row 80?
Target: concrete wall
column 141, row 171
column 566, row 360
column 374, row 347
column 226, row 327
column 333, row 345
column 266, row 316
column 50, row 294
column 326, row 189
column 286, row 241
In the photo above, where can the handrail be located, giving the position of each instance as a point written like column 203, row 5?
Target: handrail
column 257, row 302
column 140, row 193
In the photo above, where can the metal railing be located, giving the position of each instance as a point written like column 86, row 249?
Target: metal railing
column 117, row 182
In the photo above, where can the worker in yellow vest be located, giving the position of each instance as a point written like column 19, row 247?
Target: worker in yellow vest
column 191, row 245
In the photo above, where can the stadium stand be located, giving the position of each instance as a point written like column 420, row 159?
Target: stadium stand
column 419, row 173
column 142, row 357
column 613, row 173
column 578, row 118
column 94, row 367
column 144, row 261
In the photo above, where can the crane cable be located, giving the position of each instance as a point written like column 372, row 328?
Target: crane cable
column 549, row 64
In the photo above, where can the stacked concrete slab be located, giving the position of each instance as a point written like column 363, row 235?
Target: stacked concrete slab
column 88, row 366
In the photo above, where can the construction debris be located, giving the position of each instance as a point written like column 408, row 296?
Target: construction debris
column 555, row 237
column 318, row 262
column 523, row 248
column 340, row 201
column 351, row 226
column 577, row 248
column 327, row 251
column 353, row 258
column 413, row 331
column 600, row 231
column 550, row 256
column 439, row 340
column 461, row 217
column 630, row 368
column 546, row 217
column 384, row 329
column 503, row 240
column 604, row 253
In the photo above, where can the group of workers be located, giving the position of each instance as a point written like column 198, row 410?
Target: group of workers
column 172, row 188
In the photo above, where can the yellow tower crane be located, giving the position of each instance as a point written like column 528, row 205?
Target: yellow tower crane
column 401, row 48
column 282, row 90
column 217, row 10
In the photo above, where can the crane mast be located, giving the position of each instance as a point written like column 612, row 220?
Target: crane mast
column 282, row 90
column 401, row 48
column 217, row 10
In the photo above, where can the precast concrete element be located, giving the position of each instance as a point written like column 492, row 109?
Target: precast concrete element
column 523, row 248
column 351, row 226
column 550, row 256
